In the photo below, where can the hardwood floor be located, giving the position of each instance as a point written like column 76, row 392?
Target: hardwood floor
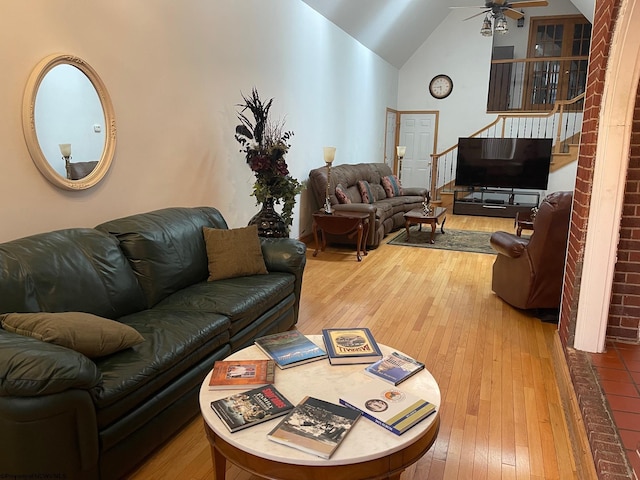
column 501, row 413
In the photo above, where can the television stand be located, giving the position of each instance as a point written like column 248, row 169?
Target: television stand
column 494, row 202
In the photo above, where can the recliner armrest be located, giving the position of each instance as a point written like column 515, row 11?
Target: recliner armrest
column 508, row 244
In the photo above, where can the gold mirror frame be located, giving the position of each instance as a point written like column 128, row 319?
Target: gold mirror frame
column 29, row 126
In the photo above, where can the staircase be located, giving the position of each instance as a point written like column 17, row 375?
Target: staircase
column 563, row 123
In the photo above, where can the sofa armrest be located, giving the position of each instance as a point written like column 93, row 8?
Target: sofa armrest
column 355, row 207
column 49, row 436
column 286, row 255
column 508, row 244
column 30, row 367
column 416, row 191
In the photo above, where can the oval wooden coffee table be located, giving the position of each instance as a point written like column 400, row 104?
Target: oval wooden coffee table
column 368, row 452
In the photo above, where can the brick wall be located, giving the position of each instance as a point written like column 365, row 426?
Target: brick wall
column 604, row 21
column 606, row 448
column 624, row 312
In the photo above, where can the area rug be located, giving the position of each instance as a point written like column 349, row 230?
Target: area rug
column 460, row 240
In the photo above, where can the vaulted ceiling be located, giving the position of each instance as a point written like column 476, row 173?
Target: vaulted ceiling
column 394, row 29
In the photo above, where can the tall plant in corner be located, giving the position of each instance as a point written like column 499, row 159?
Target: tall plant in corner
column 265, row 143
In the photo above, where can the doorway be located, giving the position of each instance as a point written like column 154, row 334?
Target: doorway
column 418, row 132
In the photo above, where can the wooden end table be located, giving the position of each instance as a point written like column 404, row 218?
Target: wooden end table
column 368, row 452
column 342, row 223
column 523, row 222
column 418, row 217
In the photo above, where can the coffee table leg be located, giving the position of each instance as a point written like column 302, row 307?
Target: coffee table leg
column 359, row 242
column 433, row 231
column 442, row 225
column 407, row 224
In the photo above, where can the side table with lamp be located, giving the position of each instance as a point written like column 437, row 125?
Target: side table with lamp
column 338, row 222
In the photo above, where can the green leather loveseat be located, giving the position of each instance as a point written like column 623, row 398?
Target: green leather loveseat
column 64, row 415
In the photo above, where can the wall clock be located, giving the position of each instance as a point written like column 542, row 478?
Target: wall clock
column 440, row 86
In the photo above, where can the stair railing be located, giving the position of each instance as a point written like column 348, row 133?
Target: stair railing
column 563, row 123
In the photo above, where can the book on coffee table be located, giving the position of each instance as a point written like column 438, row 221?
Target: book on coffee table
column 289, row 349
column 246, row 409
column 394, row 368
column 241, row 374
column 394, row 409
column 350, row 345
column 315, row 426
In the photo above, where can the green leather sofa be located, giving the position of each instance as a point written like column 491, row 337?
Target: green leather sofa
column 63, row 415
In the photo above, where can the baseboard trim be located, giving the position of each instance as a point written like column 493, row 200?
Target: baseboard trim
column 585, row 466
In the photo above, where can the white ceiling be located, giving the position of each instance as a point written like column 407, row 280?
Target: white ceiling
column 394, row 29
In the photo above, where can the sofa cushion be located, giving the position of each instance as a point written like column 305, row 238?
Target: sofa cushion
column 175, row 341
column 233, row 252
column 88, row 334
column 392, row 186
column 77, row 269
column 241, row 299
column 165, row 247
column 341, row 194
column 378, row 192
column 29, row 367
column 365, row 191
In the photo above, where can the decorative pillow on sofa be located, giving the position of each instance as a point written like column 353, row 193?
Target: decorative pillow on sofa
column 85, row 333
column 234, row 252
column 392, row 186
column 341, row 194
column 365, row 191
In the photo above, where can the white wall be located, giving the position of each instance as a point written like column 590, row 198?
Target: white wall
column 175, row 72
column 457, row 49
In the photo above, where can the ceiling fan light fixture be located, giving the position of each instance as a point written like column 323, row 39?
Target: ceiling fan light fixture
column 486, row 30
column 501, row 25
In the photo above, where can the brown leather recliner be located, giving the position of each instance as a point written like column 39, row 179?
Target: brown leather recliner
column 528, row 272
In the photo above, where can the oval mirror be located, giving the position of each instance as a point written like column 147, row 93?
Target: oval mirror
column 68, row 122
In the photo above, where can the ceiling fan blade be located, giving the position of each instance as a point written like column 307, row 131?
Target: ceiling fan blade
column 476, row 15
column 529, row 3
column 511, row 13
column 477, row 6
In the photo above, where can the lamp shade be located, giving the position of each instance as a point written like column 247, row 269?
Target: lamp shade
column 329, row 154
column 65, row 149
column 501, row 25
column 401, row 150
column 486, row 30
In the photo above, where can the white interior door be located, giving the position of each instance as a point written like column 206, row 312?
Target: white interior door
column 417, row 133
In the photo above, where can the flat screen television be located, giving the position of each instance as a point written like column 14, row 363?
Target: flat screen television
column 504, row 162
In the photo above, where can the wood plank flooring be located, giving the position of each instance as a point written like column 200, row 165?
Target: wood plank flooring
column 501, row 413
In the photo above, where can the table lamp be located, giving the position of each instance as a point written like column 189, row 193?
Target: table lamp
column 400, row 150
column 329, row 155
column 65, row 150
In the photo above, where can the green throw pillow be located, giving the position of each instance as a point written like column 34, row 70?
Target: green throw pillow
column 234, row 252
column 85, row 333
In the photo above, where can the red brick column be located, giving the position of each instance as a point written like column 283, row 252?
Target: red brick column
column 604, row 21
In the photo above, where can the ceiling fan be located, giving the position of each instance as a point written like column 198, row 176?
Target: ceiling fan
column 499, row 10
